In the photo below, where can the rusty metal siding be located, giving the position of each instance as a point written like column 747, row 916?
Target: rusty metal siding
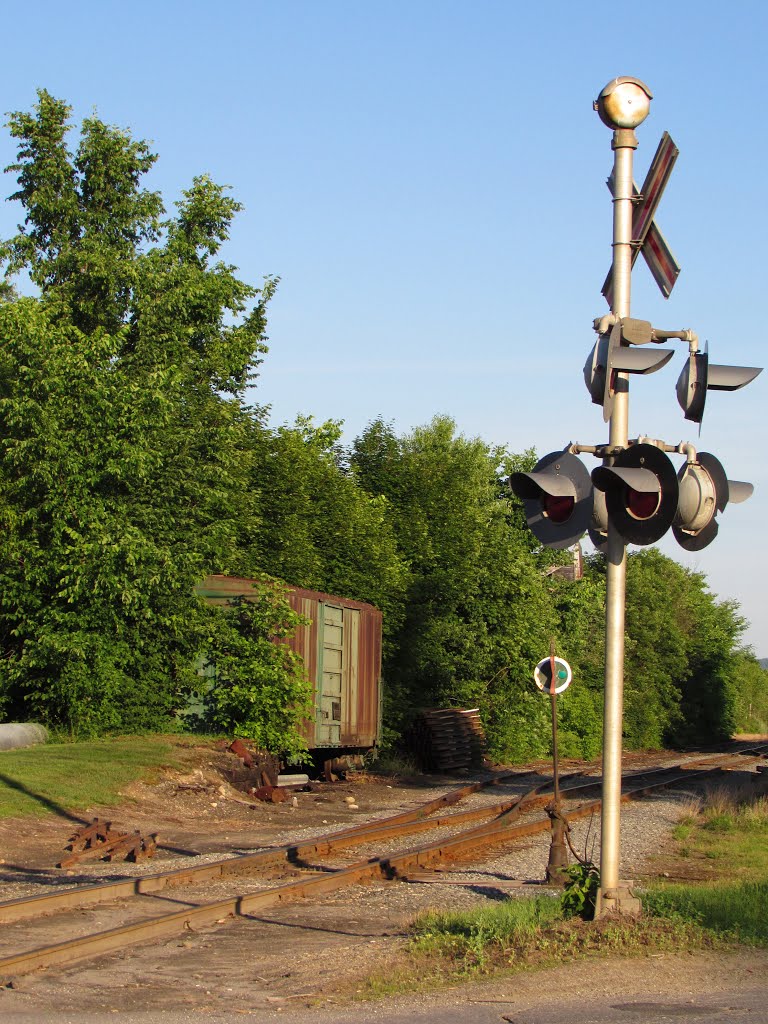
column 362, row 711
column 360, row 665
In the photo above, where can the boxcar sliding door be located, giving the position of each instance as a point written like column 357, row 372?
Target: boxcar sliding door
column 330, row 674
column 337, row 693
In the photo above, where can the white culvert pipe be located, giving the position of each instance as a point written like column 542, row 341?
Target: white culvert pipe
column 21, row 734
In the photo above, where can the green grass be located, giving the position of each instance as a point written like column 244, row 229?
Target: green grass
column 472, row 936
column 522, row 934
column 731, row 830
column 737, row 910
column 66, row 778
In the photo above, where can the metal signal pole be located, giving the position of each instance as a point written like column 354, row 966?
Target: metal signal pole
column 622, row 105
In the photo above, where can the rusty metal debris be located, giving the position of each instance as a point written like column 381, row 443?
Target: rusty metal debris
column 239, row 748
column 265, row 767
column 270, row 794
column 99, row 841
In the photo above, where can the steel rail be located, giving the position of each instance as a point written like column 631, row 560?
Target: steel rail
column 499, row 832
column 419, row 817
column 390, row 867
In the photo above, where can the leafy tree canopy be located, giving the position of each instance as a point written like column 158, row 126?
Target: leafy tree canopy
column 124, row 440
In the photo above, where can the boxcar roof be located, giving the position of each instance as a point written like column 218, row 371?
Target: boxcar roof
column 220, row 586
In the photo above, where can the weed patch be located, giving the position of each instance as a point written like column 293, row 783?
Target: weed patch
column 524, row 934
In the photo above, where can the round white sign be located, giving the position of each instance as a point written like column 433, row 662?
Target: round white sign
column 542, row 675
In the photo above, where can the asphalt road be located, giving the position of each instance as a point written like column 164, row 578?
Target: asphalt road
column 729, row 1007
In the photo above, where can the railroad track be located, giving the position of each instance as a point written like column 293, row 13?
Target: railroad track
column 57, row 915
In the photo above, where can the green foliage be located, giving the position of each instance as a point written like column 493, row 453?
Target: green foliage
column 473, row 939
column 580, row 893
column 679, row 651
column 748, row 682
column 476, row 613
column 581, row 610
column 124, row 449
column 317, row 528
column 257, row 685
column 738, row 910
column 729, row 826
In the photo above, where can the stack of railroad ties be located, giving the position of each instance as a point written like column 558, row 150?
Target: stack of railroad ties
column 448, row 739
column 99, row 841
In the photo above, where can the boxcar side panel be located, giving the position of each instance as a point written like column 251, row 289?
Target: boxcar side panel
column 368, row 704
column 341, row 648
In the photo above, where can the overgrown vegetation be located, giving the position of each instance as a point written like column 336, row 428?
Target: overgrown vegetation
column 522, row 934
column 133, row 464
column 580, row 891
column 257, row 688
column 738, row 910
column 726, row 830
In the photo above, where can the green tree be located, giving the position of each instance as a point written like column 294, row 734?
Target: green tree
column 124, row 441
column 581, row 611
column 477, row 613
column 680, row 643
column 749, row 685
column 316, row 527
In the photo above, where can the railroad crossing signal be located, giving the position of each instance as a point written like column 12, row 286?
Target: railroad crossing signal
column 557, row 498
column 704, row 490
column 699, row 376
column 641, row 493
column 610, row 357
column 646, row 237
column 619, row 349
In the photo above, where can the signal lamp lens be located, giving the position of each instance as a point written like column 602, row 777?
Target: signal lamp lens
column 558, row 509
column 641, row 504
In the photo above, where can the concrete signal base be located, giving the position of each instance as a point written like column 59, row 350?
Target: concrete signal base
column 619, row 901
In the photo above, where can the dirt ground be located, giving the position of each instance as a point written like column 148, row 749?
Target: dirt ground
column 205, row 807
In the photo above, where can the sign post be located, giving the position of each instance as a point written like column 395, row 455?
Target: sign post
column 622, row 106
column 553, row 675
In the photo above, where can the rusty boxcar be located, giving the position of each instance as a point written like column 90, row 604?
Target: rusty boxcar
column 341, row 648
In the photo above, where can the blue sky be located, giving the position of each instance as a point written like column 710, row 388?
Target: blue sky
column 428, row 180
